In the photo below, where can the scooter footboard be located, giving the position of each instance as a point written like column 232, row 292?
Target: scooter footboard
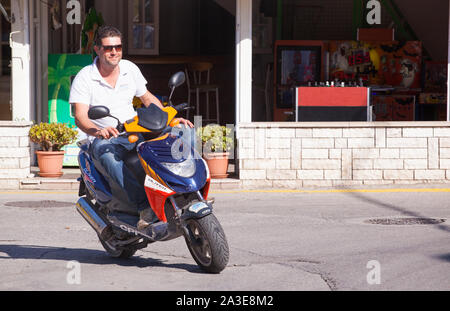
column 160, row 231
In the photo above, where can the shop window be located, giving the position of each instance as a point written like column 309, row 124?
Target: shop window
column 143, row 29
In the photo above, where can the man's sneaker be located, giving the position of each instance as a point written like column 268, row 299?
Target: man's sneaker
column 146, row 217
column 210, row 201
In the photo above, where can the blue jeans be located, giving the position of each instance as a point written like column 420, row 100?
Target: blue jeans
column 111, row 152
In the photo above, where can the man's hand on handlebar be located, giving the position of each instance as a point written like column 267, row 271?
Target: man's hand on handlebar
column 187, row 123
column 107, row 132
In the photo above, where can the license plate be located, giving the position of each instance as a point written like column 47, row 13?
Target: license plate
column 196, row 207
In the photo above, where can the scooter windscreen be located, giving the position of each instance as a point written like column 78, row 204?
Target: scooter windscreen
column 152, row 118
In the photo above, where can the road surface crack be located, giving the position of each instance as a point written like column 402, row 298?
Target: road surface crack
column 310, row 266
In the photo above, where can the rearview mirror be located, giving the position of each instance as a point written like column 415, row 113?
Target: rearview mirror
column 177, row 79
column 98, row 112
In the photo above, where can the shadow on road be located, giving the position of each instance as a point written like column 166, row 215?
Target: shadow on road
column 87, row 256
column 445, row 257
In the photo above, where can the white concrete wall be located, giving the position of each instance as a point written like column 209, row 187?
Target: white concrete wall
column 14, row 153
column 295, row 155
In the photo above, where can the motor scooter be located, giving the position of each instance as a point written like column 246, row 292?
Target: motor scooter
column 176, row 184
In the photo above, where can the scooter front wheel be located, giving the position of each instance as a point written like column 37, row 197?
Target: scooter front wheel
column 207, row 243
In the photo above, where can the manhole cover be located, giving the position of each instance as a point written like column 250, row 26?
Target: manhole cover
column 404, row 221
column 42, row 204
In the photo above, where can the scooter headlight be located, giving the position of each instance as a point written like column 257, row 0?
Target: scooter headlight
column 183, row 169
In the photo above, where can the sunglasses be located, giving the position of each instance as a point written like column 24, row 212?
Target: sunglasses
column 109, row 48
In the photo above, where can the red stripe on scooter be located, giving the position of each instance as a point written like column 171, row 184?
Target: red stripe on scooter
column 157, row 200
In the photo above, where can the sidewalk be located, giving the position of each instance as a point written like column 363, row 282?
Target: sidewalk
column 68, row 181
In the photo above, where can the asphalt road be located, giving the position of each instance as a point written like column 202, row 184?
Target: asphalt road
column 279, row 240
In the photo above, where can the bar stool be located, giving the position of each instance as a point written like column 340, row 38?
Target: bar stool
column 200, row 84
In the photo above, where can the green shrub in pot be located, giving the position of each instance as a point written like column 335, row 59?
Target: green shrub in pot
column 52, row 136
column 215, row 138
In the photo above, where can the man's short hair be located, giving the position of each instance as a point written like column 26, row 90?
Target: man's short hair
column 106, row 32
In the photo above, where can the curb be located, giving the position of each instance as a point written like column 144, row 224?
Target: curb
column 73, row 184
column 68, row 181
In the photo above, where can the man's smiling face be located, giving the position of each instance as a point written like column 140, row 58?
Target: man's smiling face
column 110, row 52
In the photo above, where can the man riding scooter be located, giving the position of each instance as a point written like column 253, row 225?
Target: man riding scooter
column 113, row 82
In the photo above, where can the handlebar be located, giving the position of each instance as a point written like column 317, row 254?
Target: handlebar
column 120, row 127
column 182, row 107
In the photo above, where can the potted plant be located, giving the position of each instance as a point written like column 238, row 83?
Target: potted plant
column 51, row 137
column 216, row 144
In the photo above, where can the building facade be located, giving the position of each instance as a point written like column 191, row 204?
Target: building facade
column 272, row 154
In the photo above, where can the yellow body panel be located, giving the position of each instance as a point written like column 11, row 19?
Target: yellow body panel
column 160, row 137
column 150, row 172
column 133, row 127
column 171, row 114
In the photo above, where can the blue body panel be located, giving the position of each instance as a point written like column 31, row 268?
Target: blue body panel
column 92, row 178
column 154, row 153
column 159, row 151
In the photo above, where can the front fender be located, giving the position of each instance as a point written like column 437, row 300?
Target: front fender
column 197, row 210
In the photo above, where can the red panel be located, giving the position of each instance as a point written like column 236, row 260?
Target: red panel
column 206, row 188
column 332, row 96
column 157, row 200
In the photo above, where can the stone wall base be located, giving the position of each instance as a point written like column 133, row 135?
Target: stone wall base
column 14, row 153
column 330, row 154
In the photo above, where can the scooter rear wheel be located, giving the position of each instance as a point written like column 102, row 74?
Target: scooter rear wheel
column 207, row 243
column 117, row 253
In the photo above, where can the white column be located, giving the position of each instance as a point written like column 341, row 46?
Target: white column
column 42, row 58
column 243, row 61
column 448, row 70
column 20, row 60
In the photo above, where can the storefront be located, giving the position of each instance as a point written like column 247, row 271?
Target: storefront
column 161, row 37
column 260, row 40
column 254, row 46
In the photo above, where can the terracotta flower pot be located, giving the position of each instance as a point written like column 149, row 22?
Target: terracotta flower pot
column 218, row 164
column 50, row 163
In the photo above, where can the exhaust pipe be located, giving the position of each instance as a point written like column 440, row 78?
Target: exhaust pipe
column 89, row 213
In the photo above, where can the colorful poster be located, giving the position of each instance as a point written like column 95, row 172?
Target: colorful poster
column 299, row 66
column 377, row 63
column 62, row 68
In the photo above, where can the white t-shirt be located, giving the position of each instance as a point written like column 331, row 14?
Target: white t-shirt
column 91, row 89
